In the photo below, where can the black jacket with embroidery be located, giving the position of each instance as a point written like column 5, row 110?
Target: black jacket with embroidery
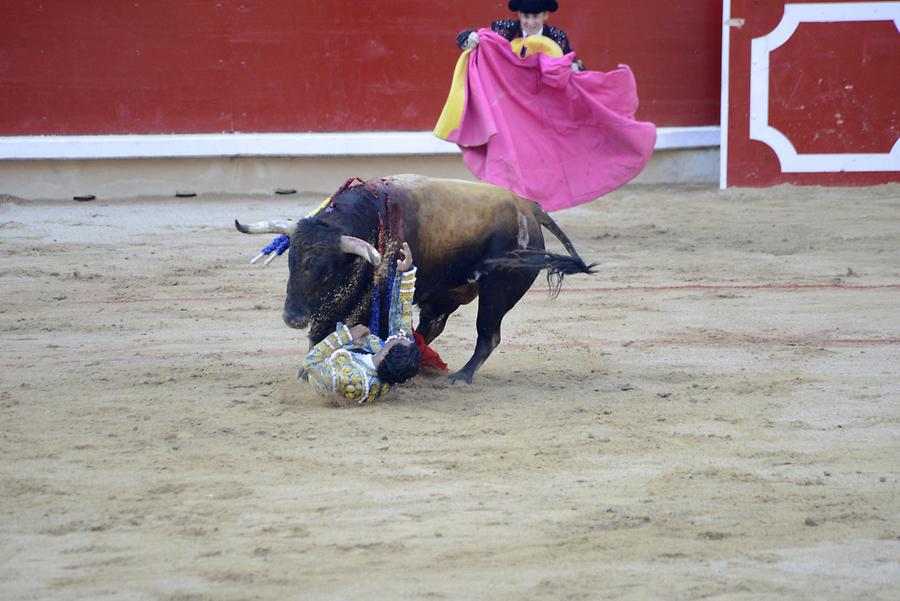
column 512, row 29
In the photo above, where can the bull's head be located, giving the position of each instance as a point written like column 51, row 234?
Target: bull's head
column 321, row 263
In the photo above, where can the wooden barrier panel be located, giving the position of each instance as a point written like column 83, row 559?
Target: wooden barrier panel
column 206, row 66
column 813, row 92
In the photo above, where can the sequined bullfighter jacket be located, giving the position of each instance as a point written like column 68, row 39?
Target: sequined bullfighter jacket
column 338, row 365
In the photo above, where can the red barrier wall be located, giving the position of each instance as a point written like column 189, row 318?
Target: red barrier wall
column 832, row 94
column 191, row 66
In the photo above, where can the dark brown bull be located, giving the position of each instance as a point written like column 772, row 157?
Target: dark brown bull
column 468, row 240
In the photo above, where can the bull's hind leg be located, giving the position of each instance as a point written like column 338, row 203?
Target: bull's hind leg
column 500, row 291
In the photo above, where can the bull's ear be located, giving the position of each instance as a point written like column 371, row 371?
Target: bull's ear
column 361, row 248
column 278, row 226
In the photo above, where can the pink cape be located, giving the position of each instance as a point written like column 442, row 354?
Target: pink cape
column 550, row 135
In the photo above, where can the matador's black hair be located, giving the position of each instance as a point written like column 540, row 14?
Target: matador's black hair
column 400, row 364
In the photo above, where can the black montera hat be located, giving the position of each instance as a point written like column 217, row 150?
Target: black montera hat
column 533, row 6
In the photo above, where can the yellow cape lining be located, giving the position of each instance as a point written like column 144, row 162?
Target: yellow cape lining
column 451, row 115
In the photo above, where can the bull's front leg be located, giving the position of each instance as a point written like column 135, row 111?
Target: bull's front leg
column 432, row 319
column 433, row 313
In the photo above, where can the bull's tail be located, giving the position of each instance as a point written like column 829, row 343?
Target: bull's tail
column 546, row 221
column 557, row 266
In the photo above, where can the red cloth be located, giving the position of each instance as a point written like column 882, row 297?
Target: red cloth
column 430, row 358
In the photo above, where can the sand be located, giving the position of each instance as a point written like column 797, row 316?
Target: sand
column 714, row 415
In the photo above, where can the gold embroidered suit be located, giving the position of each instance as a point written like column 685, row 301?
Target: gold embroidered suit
column 333, row 366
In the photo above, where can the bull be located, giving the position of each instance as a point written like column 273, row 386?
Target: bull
column 469, row 240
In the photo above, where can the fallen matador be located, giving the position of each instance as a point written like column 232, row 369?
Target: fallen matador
column 360, row 366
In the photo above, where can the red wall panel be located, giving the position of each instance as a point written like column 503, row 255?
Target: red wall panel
column 191, row 66
column 113, row 67
column 830, row 84
column 833, row 89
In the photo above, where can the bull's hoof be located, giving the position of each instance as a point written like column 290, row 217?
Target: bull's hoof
column 303, row 374
column 461, row 379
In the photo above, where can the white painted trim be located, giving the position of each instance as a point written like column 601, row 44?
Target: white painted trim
column 677, row 138
column 760, row 48
column 724, row 103
column 224, row 145
column 352, row 144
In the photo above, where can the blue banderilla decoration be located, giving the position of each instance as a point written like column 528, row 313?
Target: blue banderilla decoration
column 278, row 246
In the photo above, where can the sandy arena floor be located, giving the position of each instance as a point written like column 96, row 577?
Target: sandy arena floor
column 714, row 415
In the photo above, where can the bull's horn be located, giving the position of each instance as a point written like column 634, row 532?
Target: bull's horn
column 278, row 226
column 355, row 246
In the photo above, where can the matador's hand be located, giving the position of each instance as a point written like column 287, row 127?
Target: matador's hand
column 407, row 262
column 358, row 334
